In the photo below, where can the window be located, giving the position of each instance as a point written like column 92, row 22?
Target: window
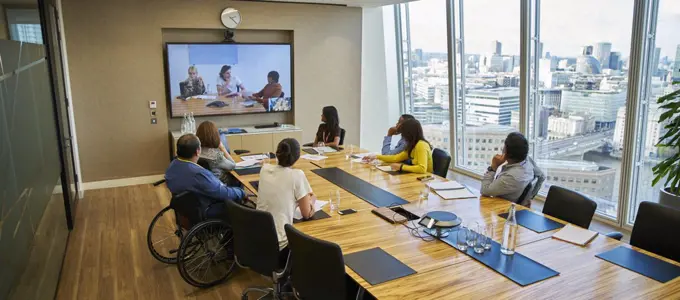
column 426, row 90
column 24, row 25
column 580, row 87
column 664, row 66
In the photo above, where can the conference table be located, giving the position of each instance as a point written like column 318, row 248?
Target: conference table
column 197, row 105
column 443, row 272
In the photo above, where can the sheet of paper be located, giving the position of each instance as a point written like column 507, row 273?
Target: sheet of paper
column 246, row 163
column 318, row 205
column 313, row 157
column 575, row 235
column 205, row 97
column 384, row 168
column 361, row 155
column 445, row 185
column 455, row 194
column 325, row 149
column 255, row 157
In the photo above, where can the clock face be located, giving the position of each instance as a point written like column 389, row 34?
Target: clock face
column 231, row 18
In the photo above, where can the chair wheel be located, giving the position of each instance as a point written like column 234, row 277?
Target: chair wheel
column 164, row 236
column 207, row 254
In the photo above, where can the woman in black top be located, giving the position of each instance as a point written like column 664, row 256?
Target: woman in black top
column 328, row 132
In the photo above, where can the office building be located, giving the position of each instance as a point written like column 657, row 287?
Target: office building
column 602, row 53
column 542, row 128
column 676, row 68
column 492, row 63
column 496, row 48
column 555, row 79
column 582, row 176
column 655, row 61
column 581, row 82
column 491, row 106
column 540, row 50
column 587, row 63
column 419, row 57
column 508, row 80
column 615, row 60
column 550, row 98
column 438, row 135
column 653, row 131
column 602, row 105
column 563, row 127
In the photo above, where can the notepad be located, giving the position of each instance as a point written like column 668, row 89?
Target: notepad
column 385, row 168
column 255, row 157
column 314, row 157
column 575, row 235
column 325, row 149
column 445, row 185
column 455, row 194
column 318, row 205
column 246, row 163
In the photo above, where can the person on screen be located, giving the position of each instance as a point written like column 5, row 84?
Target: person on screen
column 282, row 189
column 272, row 89
column 193, row 85
column 387, row 140
column 418, row 150
column 509, row 181
column 328, row 132
column 229, row 85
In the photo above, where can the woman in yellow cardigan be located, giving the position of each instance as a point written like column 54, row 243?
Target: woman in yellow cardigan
column 418, row 150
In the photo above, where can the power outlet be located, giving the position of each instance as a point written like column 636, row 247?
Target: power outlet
column 153, row 113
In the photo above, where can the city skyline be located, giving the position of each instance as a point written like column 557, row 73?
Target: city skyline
column 559, row 34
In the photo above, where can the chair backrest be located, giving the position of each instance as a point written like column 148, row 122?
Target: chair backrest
column 203, row 163
column 188, row 208
column 256, row 245
column 569, row 206
column 440, row 162
column 522, row 200
column 656, row 230
column 282, row 95
column 342, row 136
column 318, row 267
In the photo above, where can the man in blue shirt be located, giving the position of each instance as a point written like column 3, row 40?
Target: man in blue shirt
column 387, row 141
column 184, row 174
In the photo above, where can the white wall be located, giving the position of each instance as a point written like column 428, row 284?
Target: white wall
column 379, row 95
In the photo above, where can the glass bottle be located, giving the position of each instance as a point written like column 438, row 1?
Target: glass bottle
column 510, row 233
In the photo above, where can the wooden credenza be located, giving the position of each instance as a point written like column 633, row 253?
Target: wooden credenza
column 254, row 140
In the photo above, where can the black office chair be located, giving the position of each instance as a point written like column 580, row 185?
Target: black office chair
column 256, row 247
column 569, row 206
column 440, row 162
column 656, row 230
column 342, row 136
column 522, row 198
column 317, row 267
column 203, row 163
column 283, row 95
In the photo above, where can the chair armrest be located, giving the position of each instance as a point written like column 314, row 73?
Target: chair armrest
column 241, row 151
column 615, row 235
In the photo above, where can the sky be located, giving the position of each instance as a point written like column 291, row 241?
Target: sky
column 565, row 25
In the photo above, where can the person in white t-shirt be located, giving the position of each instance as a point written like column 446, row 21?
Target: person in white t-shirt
column 229, row 85
column 283, row 188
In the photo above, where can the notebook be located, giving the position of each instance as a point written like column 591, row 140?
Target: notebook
column 445, row 185
column 575, row 235
column 455, row 194
column 318, row 205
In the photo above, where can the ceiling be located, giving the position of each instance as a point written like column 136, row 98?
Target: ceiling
column 358, row 3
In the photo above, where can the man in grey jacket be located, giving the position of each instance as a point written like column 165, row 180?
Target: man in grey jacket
column 387, row 140
column 513, row 178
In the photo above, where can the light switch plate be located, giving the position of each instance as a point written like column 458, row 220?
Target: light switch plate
column 152, row 104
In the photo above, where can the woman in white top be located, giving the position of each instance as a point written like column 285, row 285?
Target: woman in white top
column 229, row 85
column 282, row 189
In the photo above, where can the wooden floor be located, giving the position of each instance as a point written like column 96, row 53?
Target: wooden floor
column 107, row 256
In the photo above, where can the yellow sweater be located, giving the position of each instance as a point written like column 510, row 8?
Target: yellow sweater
column 421, row 158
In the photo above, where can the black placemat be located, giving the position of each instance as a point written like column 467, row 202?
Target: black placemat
column 255, row 184
column 641, row 263
column 377, row 266
column 517, row 267
column 360, row 188
column 310, row 151
column 535, row 222
column 248, row 171
column 316, row 216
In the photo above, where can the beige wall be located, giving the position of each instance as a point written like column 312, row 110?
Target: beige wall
column 115, row 51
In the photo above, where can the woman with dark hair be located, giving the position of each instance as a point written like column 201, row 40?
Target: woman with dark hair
column 283, row 188
column 328, row 132
column 229, row 85
column 214, row 152
column 418, row 150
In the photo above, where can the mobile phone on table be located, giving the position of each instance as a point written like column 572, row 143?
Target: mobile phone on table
column 348, row 211
column 425, row 178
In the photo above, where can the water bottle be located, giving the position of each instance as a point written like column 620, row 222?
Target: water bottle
column 185, row 124
column 192, row 123
column 510, row 233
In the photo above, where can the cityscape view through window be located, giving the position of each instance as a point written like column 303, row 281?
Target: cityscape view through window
column 580, row 112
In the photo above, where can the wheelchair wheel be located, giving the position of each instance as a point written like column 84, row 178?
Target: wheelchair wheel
column 164, row 236
column 207, row 254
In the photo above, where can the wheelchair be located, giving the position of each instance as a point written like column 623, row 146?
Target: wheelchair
column 196, row 237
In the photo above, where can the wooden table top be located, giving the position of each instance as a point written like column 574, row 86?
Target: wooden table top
column 198, row 106
column 445, row 273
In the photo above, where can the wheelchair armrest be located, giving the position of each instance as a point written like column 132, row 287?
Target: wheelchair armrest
column 615, row 235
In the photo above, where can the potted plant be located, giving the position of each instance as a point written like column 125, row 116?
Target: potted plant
column 669, row 168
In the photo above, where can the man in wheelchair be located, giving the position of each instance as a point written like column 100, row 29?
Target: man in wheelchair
column 184, row 174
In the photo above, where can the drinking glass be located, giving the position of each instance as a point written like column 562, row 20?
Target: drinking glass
column 424, row 192
column 462, row 235
column 349, row 152
column 334, row 200
column 472, row 235
column 488, row 241
column 480, row 240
